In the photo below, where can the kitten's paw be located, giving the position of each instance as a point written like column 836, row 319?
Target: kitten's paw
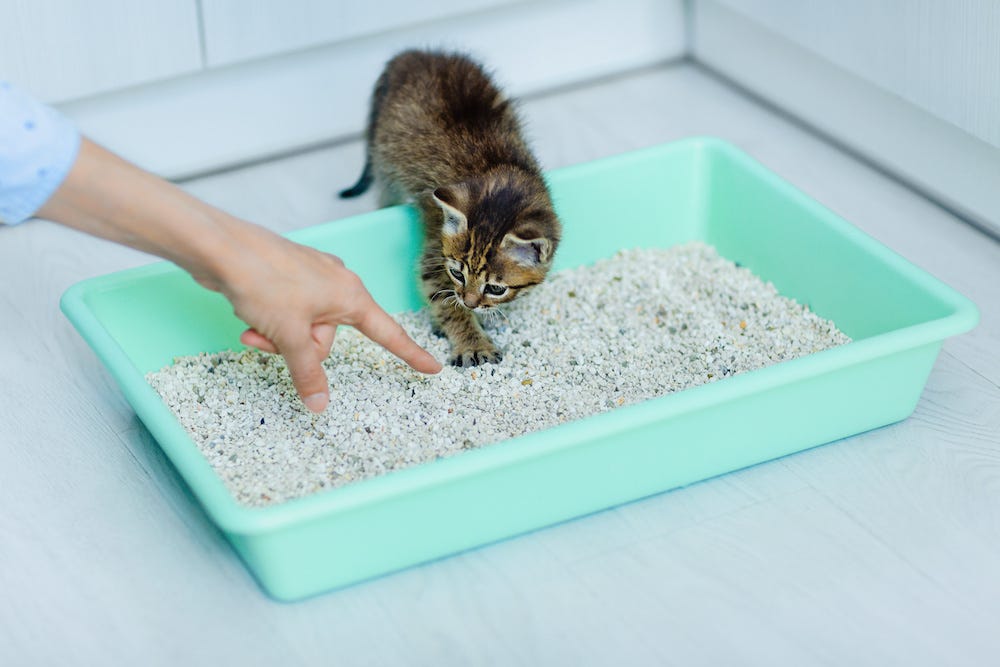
column 489, row 355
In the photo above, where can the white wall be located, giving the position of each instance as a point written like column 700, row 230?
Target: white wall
column 187, row 86
column 912, row 85
column 65, row 49
column 941, row 55
column 239, row 30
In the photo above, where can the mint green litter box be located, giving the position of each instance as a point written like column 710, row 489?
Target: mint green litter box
column 698, row 189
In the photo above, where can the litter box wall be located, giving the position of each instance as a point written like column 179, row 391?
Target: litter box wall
column 758, row 220
column 701, row 189
column 604, row 461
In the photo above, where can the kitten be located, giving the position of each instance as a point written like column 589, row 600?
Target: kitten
column 442, row 134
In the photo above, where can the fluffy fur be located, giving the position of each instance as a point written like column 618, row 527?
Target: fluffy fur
column 441, row 134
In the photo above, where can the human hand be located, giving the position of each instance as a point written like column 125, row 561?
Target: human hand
column 294, row 298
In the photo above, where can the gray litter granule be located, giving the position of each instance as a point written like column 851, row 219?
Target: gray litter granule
column 638, row 325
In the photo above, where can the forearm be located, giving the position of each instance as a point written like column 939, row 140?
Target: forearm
column 106, row 196
column 293, row 297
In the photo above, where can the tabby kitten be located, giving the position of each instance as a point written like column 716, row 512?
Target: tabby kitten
column 441, row 134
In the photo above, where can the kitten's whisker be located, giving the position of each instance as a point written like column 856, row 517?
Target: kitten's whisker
column 447, row 295
column 441, row 292
column 502, row 314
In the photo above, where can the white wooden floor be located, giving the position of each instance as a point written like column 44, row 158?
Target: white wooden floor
column 883, row 549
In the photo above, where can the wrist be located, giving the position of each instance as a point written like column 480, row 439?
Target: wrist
column 228, row 253
column 211, row 248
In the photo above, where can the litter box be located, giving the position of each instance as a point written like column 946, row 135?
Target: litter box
column 697, row 189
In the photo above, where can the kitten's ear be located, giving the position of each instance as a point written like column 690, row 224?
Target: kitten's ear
column 528, row 252
column 449, row 198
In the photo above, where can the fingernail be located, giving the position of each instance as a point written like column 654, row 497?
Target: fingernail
column 316, row 402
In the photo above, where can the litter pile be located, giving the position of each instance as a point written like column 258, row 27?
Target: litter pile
column 641, row 324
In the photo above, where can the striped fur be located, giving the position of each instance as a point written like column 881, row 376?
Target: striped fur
column 442, row 135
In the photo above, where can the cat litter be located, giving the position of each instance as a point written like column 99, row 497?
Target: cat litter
column 641, row 324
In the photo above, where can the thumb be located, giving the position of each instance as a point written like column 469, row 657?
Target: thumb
column 303, row 360
column 253, row 338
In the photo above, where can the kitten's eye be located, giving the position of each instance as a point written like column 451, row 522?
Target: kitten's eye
column 495, row 290
column 458, row 275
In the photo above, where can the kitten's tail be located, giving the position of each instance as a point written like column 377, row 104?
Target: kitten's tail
column 364, row 182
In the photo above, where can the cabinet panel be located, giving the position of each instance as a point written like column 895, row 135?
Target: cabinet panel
column 64, row 49
column 237, row 30
column 226, row 115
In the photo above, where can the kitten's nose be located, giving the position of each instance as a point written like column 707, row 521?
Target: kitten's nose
column 471, row 299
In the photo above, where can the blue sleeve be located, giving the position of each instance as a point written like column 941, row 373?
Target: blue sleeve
column 38, row 145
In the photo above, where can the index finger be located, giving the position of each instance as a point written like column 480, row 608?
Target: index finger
column 379, row 326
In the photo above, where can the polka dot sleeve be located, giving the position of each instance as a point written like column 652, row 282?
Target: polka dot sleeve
column 38, row 145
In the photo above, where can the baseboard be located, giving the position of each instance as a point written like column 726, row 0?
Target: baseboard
column 933, row 156
column 231, row 115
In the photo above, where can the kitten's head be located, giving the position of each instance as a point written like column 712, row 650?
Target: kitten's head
column 498, row 235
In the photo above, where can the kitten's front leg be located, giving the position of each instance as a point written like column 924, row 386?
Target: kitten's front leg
column 470, row 346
